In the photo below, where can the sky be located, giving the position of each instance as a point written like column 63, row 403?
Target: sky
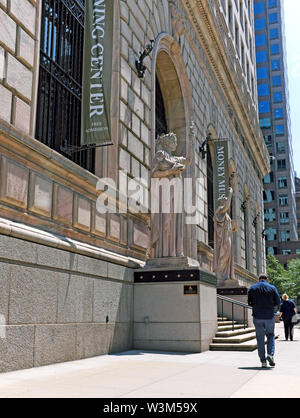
column 292, row 32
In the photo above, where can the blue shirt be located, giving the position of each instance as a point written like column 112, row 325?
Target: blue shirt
column 263, row 297
column 287, row 308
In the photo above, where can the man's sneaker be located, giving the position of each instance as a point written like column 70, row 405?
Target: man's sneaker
column 271, row 360
column 264, row 364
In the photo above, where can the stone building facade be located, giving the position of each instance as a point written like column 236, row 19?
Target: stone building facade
column 67, row 270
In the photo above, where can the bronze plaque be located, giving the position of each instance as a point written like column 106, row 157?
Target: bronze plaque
column 190, row 289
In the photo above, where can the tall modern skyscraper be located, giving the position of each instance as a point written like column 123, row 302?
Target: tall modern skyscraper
column 274, row 115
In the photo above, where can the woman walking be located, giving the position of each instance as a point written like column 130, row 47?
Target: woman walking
column 287, row 311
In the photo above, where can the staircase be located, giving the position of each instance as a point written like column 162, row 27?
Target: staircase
column 231, row 336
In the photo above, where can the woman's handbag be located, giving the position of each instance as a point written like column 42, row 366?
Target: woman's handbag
column 295, row 319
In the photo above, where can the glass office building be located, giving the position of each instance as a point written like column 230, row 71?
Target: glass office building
column 274, row 115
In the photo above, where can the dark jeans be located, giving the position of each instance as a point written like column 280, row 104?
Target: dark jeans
column 288, row 328
column 265, row 327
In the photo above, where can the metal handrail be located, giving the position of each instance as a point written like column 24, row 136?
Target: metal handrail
column 234, row 302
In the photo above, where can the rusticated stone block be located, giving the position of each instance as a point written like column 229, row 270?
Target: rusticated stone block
column 22, row 115
column 14, row 183
column 2, row 75
column 8, row 31
column 54, row 344
column 75, row 296
column 93, row 339
column 16, row 349
column 25, row 13
column 26, row 47
column 5, row 98
column 19, row 77
column 106, row 301
column 4, row 294
column 33, row 296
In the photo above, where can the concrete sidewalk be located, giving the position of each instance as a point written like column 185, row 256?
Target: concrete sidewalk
column 139, row 374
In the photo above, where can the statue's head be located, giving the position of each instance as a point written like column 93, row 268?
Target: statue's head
column 167, row 142
column 222, row 202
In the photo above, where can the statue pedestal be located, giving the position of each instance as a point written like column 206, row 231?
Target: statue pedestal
column 228, row 284
column 171, row 262
column 174, row 309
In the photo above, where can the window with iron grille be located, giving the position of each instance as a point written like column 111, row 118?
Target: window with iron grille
column 60, row 79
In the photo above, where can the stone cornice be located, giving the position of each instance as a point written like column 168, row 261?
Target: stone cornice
column 204, row 24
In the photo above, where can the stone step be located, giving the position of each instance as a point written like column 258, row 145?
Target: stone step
column 234, row 333
column 229, row 327
column 238, row 339
column 221, row 323
column 244, row 346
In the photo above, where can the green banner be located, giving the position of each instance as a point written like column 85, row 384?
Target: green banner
column 221, row 177
column 97, row 72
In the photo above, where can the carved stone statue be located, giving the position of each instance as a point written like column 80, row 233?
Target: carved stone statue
column 167, row 228
column 177, row 19
column 223, row 252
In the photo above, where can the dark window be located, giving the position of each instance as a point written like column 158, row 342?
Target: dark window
column 161, row 126
column 60, row 79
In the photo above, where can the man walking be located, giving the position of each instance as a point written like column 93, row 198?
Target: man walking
column 263, row 297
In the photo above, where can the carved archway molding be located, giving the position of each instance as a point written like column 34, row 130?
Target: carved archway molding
column 168, row 66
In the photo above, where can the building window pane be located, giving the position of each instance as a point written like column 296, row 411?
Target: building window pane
column 263, row 89
column 284, row 218
column 274, row 33
column 272, row 3
column 265, row 123
column 260, row 24
column 280, row 147
column 270, row 215
column 268, row 140
column 274, row 49
column 279, row 130
column 273, row 17
column 282, row 182
column 277, row 97
column 283, row 200
column 260, row 40
column 262, row 73
column 285, row 236
column 259, row 8
column 281, row 164
column 275, row 65
column 276, row 80
column 269, row 178
column 271, row 234
column 278, row 113
column 264, row 107
column 269, row 196
column 261, row 56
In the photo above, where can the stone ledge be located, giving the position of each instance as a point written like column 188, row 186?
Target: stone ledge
column 21, row 231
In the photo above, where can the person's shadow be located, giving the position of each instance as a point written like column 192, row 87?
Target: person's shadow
column 256, row 368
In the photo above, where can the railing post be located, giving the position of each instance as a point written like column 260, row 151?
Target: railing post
column 232, row 304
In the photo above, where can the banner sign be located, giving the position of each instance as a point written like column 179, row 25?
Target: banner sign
column 97, row 72
column 221, row 178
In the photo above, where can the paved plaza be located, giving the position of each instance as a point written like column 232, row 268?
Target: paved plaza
column 140, row 374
